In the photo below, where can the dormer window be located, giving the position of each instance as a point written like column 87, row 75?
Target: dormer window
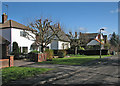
column 22, row 33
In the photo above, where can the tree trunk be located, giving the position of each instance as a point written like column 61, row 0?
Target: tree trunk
column 42, row 48
column 75, row 50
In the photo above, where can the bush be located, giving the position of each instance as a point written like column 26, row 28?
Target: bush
column 15, row 50
column 31, row 56
column 107, row 46
column 49, row 53
column 81, row 48
column 35, row 51
column 61, row 54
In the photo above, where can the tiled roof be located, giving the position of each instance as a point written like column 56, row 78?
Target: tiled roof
column 89, row 34
column 14, row 24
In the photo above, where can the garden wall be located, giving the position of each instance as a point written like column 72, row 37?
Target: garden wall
column 7, row 62
column 37, row 57
column 41, row 57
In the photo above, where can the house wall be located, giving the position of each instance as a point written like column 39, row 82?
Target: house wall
column 6, row 33
column 49, row 45
column 4, row 50
column 54, row 45
column 61, row 43
column 58, row 45
column 22, row 41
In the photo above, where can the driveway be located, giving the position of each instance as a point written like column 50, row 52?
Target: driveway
column 102, row 72
column 18, row 63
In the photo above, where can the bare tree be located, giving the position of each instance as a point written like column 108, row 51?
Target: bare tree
column 75, row 42
column 44, row 32
column 78, row 40
column 84, row 39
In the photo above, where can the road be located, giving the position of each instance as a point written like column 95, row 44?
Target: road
column 104, row 72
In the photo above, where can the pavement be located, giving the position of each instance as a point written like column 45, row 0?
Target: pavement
column 104, row 72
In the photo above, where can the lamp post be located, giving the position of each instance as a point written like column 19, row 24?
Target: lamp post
column 100, row 41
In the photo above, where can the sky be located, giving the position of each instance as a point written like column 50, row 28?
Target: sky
column 86, row 17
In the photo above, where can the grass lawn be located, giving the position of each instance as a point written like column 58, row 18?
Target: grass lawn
column 74, row 60
column 14, row 73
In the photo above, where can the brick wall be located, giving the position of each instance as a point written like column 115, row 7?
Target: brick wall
column 41, row 57
column 4, row 63
column 7, row 62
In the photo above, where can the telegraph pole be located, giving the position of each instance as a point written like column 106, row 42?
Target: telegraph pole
column 7, row 8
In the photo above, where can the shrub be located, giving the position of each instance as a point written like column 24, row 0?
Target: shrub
column 81, row 48
column 49, row 53
column 31, row 56
column 61, row 54
column 107, row 46
column 15, row 50
column 35, row 51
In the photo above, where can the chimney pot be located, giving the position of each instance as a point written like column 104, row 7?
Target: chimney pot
column 4, row 17
column 59, row 25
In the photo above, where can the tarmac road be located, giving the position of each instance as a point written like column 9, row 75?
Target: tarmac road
column 104, row 72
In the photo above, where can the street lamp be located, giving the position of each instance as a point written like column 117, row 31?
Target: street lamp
column 100, row 41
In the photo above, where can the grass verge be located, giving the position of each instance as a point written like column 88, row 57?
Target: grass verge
column 73, row 60
column 15, row 73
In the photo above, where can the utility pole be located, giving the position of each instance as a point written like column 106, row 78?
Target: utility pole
column 100, row 42
column 7, row 8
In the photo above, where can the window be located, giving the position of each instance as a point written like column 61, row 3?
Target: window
column 63, row 45
column 67, row 46
column 22, row 33
column 25, row 49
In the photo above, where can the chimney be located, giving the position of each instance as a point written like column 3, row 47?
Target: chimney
column 80, row 34
column 76, row 34
column 58, row 25
column 70, row 33
column 4, row 17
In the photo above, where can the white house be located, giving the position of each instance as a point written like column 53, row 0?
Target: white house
column 60, row 41
column 15, row 32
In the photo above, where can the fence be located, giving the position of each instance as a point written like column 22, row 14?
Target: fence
column 7, row 62
column 84, row 52
column 96, row 52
